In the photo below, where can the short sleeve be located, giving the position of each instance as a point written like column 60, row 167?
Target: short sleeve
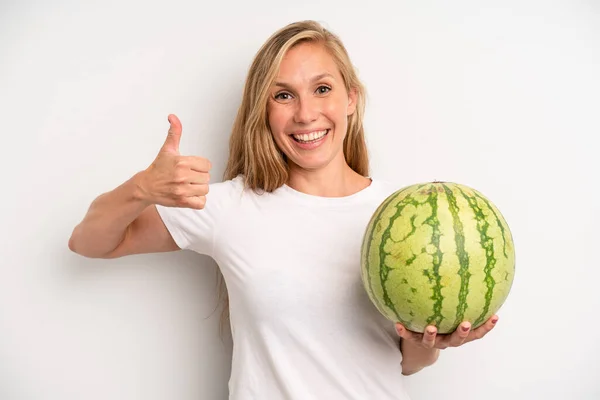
column 194, row 229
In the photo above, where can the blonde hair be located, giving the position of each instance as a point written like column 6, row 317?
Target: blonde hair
column 253, row 153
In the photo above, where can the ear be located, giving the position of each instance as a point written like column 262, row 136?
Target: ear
column 352, row 96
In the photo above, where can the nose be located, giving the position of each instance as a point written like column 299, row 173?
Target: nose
column 307, row 110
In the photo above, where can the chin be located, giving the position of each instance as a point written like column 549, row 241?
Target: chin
column 310, row 164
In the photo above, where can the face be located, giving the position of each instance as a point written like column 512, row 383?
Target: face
column 308, row 109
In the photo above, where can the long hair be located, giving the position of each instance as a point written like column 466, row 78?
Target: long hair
column 253, row 152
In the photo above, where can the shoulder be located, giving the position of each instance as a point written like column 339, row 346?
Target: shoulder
column 228, row 188
column 234, row 193
column 385, row 188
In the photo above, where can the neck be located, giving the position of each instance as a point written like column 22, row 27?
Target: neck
column 332, row 181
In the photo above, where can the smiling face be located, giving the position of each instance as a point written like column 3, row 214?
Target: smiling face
column 308, row 109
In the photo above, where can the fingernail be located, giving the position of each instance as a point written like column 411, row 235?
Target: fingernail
column 431, row 331
column 465, row 328
column 494, row 320
column 399, row 329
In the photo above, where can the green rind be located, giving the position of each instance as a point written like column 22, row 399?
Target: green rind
column 375, row 224
column 403, row 240
column 463, row 256
column 437, row 317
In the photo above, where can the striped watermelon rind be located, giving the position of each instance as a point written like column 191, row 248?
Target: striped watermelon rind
column 437, row 253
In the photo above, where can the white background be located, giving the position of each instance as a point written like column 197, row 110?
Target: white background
column 502, row 96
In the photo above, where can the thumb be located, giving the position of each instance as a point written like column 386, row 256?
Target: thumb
column 171, row 144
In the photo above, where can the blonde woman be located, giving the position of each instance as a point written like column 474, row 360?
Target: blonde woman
column 285, row 228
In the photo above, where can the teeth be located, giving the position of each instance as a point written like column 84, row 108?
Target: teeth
column 307, row 137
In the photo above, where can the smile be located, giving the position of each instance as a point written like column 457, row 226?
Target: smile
column 310, row 137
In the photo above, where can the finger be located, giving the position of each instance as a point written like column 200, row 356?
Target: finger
column 186, row 189
column 483, row 330
column 199, row 190
column 195, row 202
column 459, row 336
column 199, row 164
column 429, row 335
column 194, row 178
column 171, row 144
column 406, row 334
column 200, row 178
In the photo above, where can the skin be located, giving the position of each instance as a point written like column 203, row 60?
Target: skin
column 420, row 350
column 303, row 99
column 309, row 95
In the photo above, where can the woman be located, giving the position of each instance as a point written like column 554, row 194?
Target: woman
column 284, row 227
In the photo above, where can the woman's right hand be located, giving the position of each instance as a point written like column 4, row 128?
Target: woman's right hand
column 174, row 180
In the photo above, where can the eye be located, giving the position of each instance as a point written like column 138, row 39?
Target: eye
column 278, row 96
column 323, row 89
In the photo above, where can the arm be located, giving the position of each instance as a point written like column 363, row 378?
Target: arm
column 125, row 220
column 416, row 357
column 420, row 350
column 119, row 223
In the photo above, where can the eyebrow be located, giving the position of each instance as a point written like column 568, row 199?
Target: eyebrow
column 316, row 78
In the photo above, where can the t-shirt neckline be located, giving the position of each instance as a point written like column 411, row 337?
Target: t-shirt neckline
column 323, row 200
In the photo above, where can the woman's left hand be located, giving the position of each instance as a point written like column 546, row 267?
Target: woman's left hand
column 429, row 339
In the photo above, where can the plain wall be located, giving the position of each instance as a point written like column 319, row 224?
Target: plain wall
column 501, row 96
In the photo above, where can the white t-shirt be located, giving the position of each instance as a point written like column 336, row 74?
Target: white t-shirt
column 303, row 326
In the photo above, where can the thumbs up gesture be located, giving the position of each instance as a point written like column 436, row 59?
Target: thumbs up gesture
column 173, row 180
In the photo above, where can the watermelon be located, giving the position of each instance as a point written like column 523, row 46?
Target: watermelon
column 437, row 253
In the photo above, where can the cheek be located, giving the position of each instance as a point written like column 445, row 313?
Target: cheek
column 336, row 109
column 277, row 121
column 277, row 127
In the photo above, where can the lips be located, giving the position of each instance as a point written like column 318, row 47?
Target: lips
column 309, row 136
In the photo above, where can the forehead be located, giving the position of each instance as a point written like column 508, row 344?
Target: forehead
column 305, row 60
